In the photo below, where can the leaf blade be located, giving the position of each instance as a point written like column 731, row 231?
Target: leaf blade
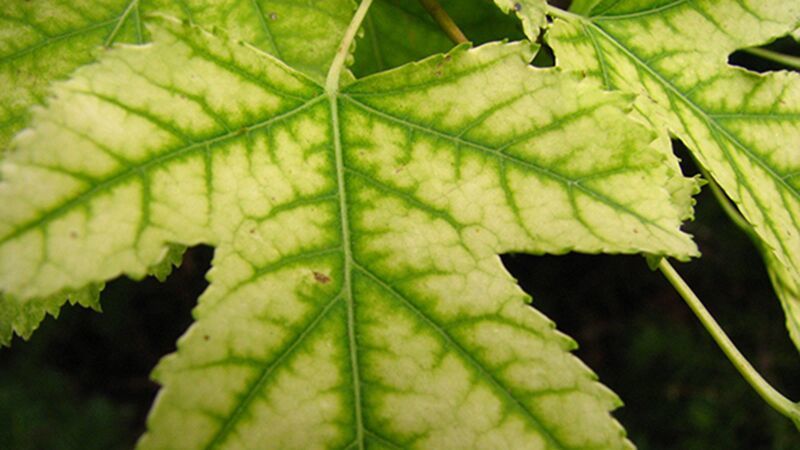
column 739, row 125
column 279, row 337
column 36, row 50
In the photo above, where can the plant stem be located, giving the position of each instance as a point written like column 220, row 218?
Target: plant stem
column 774, row 398
column 444, row 21
column 564, row 14
column 780, row 58
column 728, row 206
column 335, row 72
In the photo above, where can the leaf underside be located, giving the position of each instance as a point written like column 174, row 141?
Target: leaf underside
column 742, row 127
column 356, row 297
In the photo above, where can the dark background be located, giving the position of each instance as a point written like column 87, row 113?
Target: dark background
column 81, row 382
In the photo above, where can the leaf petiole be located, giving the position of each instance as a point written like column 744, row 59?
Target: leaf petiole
column 335, row 71
column 444, row 21
column 780, row 58
column 730, row 209
column 774, row 398
column 559, row 13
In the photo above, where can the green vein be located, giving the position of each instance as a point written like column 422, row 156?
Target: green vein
column 52, row 39
column 700, row 111
column 262, row 20
column 131, row 8
column 503, row 156
column 462, row 352
column 636, row 14
column 348, row 261
column 254, row 389
column 406, row 197
column 146, row 165
column 332, row 81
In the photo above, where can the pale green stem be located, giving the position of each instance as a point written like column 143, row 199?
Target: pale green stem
column 780, row 58
column 562, row 14
column 728, row 206
column 774, row 398
column 444, row 21
column 335, row 72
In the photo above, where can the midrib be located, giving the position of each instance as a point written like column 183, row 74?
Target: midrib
column 332, row 90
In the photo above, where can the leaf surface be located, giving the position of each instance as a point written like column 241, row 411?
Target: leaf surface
column 396, row 32
column 788, row 293
column 356, row 297
column 743, row 127
column 45, row 40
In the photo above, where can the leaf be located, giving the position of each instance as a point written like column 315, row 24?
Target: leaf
column 356, row 294
column 397, row 32
column 45, row 40
column 741, row 126
column 36, row 50
column 530, row 12
column 788, row 293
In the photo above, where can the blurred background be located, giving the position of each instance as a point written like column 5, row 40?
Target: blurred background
column 82, row 382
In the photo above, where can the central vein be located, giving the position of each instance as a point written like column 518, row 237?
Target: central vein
column 332, row 89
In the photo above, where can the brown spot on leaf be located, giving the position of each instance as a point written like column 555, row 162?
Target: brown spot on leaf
column 73, row 234
column 517, row 7
column 321, row 278
column 206, row 337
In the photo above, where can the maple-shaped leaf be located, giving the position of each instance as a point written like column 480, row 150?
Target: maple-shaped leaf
column 742, row 127
column 45, row 40
column 357, row 298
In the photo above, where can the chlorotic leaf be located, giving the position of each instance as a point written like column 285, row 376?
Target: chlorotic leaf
column 356, row 296
column 397, row 32
column 789, row 294
column 45, row 40
column 304, row 34
column 530, row 12
column 743, row 127
column 36, row 50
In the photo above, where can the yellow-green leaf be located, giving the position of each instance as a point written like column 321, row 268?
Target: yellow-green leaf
column 45, row 40
column 357, row 299
column 742, row 127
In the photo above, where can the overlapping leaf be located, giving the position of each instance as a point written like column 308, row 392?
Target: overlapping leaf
column 396, row 32
column 357, row 299
column 744, row 128
column 45, row 40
